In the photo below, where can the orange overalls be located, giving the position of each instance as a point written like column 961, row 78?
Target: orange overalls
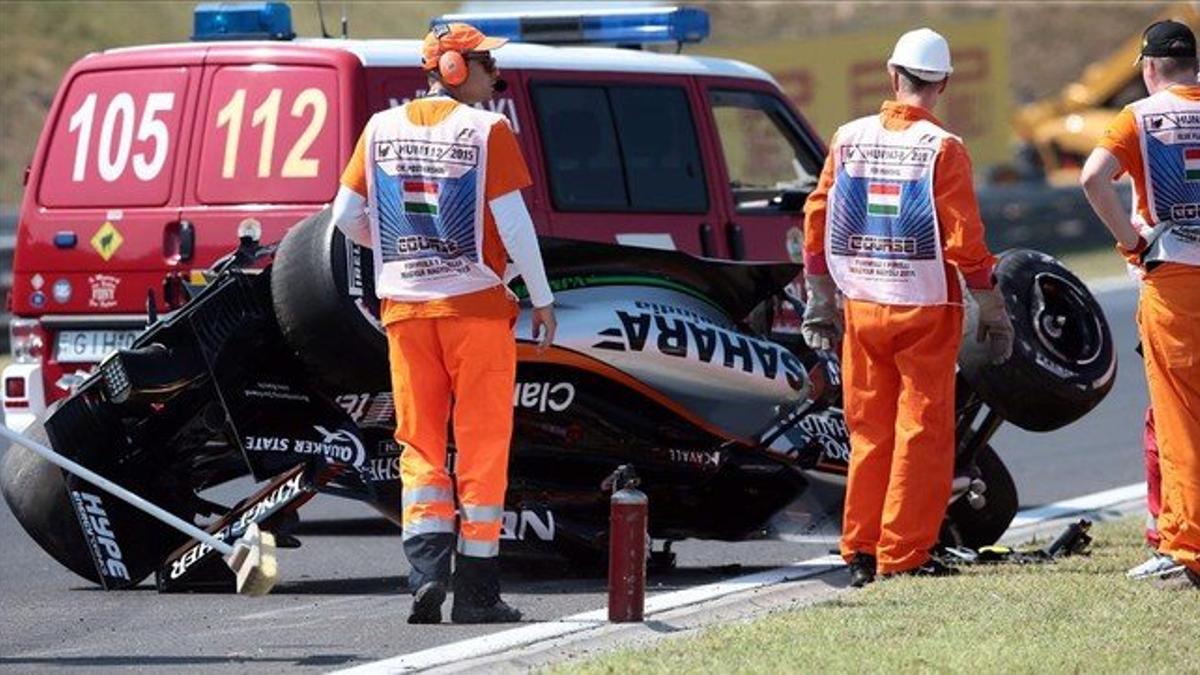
column 452, row 356
column 898, row 360
column 1169, row 324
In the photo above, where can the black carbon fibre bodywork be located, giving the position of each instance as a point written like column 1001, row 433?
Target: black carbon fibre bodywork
column 656, row 365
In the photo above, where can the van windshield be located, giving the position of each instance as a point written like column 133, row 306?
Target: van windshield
column 764, row 155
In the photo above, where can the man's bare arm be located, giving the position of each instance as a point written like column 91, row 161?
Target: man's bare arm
column 1096, row 179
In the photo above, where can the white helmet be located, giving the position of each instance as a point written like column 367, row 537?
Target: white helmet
column 923, row 53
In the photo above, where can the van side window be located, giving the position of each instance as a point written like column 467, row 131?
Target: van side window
column 764, row 156
column 114, row 142
column 580, row 143
column 611, row 148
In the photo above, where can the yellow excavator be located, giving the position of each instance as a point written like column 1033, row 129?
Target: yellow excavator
column 1059, row 132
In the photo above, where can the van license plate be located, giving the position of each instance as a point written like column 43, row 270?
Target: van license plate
column 90, row 346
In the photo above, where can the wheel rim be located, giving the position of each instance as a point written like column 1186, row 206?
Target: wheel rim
column 1064, row 322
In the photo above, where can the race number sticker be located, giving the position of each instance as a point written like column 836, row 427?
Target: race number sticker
column 270, row 136
column 115, row 139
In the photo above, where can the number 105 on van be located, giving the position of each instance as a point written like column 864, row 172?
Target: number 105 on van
column 90, row 346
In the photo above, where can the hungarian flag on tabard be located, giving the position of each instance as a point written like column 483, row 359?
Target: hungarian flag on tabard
column 883, row 199
column 1191, row 163
column 421, row 196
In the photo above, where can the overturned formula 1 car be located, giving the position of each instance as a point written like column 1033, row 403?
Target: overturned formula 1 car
column 274, row 369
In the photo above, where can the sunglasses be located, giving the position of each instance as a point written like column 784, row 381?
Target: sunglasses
column 484, row 59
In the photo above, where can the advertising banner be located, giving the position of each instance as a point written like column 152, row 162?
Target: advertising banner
column 836, row 78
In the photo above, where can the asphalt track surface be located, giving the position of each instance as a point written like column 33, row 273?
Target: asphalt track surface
column 342, row 600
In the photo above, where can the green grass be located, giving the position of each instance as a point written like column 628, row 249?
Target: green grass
column 1080, row 615
column 1098, row 263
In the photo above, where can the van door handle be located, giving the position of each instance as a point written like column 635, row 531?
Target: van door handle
column 706, row 240
column 187, row 240
column 737, row 243
column 179, row 241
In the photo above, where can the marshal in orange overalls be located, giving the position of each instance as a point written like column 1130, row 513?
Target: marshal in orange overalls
column 1169, row 304
column 454, row 351
column 918, row 221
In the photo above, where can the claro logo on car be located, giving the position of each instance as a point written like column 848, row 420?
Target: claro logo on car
column 693, row 337
column 543, row 396
column 99, row 533
column 255, row 512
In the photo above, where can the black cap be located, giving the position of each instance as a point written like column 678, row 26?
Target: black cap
column 1168, row 38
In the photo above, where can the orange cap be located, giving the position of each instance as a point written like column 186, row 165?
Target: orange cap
column 455, row 37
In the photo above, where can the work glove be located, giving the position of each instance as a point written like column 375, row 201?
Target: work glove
column 822, row 326
column 994, row 326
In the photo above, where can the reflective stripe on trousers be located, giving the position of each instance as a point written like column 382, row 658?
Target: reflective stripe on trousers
column 423, row 505
column 480, row 530
column 428, row 494
column 428, row 525
column 482, row 514
column 479, row 548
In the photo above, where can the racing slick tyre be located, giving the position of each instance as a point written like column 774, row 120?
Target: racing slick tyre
column 36, row 493
column 323, row 289
column 1063, row 362
column 971, row 527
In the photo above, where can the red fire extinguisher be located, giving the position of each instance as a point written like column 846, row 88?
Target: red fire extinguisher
column 626, row 547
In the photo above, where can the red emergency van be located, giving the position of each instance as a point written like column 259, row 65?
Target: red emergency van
column 152, row 157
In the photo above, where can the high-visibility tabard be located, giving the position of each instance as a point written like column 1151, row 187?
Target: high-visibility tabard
column 425, row 186
column 1169, row 134
column 881, row 235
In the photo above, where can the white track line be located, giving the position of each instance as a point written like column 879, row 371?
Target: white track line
column 502, row 641
column 1096, row 501
column 527, row 635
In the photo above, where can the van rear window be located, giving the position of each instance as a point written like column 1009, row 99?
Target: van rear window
column 115, row 140
column 270, row 136
column 620, row 148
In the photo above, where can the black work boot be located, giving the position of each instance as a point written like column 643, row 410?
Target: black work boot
column 427, row 603
column 429, row 556
column 477, row 593
column 862, row 570
column 930, row 568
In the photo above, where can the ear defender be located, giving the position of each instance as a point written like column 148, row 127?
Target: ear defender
column 452, row 68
